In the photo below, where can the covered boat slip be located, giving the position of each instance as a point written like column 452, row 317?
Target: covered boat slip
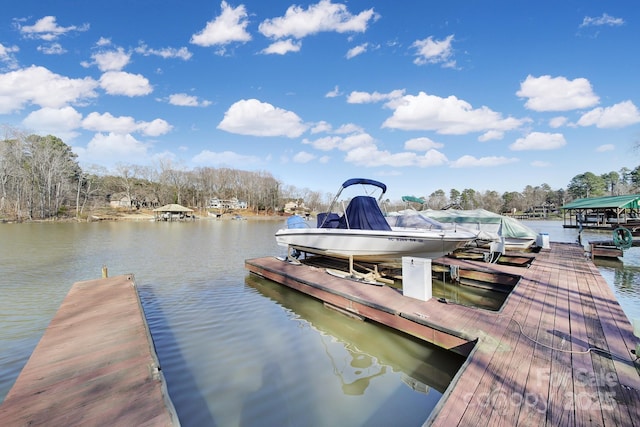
column 173, row 212
column 557, row 353
column 603, row 212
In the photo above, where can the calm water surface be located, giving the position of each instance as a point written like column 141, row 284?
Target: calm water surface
column 235, row 349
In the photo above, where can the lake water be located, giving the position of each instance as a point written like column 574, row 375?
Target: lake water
column 237, row 349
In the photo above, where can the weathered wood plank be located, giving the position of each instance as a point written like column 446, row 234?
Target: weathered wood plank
column 95, row 364
column 532, row 363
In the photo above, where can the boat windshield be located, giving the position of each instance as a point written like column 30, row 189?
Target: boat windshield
column 412, row 219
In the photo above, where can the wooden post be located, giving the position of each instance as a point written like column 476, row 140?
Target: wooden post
column 104, row 272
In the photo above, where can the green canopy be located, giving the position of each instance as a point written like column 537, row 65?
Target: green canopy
column 509, row 227
column 412, row 199
column 631, row 201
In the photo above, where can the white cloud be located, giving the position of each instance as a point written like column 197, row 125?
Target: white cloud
column 155, row 127
column 323, row 16
column 48, row 29
column 226, row 158
column 605, row 147
column 333, row 93
column 356, row 97
column 421, row 144
column 557, row 122
column 371, row 156
column 39, row 86
column 124, row 124
column 107, row 123
column 60, row 122
column 349, row 128
column 491, row 135
column 282, row 47
column 7, row 56
column 548, row 93
column 111, row 149
column 356, row 140
column 430, row 51
column 303, row 157
column 103, row 41
column 184, row 100
column 252, row 117
column 52, row 49
column 450, row 116
column 358, row 50
column 230, row 26
column 432, row 158
column 123, row 83
column 327, row 143
column 166, row 53
column 616, row 116
column 491, row 161
column 112, row 60
column 320, row 127
column 605, row 19
column 539, row 141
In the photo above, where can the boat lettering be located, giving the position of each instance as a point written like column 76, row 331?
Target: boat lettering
column 405, row 239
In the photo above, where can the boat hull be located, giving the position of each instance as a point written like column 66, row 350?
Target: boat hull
column 373, row 245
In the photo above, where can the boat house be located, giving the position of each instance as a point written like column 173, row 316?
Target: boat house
column 173, row 212
column 603, row 212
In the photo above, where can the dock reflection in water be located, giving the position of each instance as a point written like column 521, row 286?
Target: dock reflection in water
column 360, row 351
column 232, row 354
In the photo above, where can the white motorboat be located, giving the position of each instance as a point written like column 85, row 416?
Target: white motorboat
column 362, row 232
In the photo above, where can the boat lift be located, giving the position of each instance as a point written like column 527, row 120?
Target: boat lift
column 372, row 275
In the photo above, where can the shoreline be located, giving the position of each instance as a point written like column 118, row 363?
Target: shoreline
column 148, row 215
column 143, row 216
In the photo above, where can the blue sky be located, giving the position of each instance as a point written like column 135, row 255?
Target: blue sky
column 491, row 95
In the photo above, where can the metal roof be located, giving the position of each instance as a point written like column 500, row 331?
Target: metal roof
column 172, row 208
column 631, row 201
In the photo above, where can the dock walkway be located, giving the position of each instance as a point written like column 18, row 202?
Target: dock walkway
column 95, row 365
column 556, row 354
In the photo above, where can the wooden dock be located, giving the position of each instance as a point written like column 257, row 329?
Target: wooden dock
column 558, row 353
column 95, row 365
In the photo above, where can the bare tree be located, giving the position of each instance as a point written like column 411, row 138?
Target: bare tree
column 437, row 200
column 174, row 177
column 125, row 180
column 88, row 185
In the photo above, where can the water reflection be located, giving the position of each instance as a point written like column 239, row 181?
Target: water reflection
column 367, row 350
column 236, row 350
column 470, row 296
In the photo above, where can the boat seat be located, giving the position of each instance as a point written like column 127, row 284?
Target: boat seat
column 332, row 220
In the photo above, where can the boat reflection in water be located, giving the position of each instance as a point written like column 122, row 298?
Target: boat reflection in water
column 361, row 351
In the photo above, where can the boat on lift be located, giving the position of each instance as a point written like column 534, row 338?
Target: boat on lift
column 362, row 232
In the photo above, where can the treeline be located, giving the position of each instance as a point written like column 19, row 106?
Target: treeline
column 40, row 178
column 542, row 197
